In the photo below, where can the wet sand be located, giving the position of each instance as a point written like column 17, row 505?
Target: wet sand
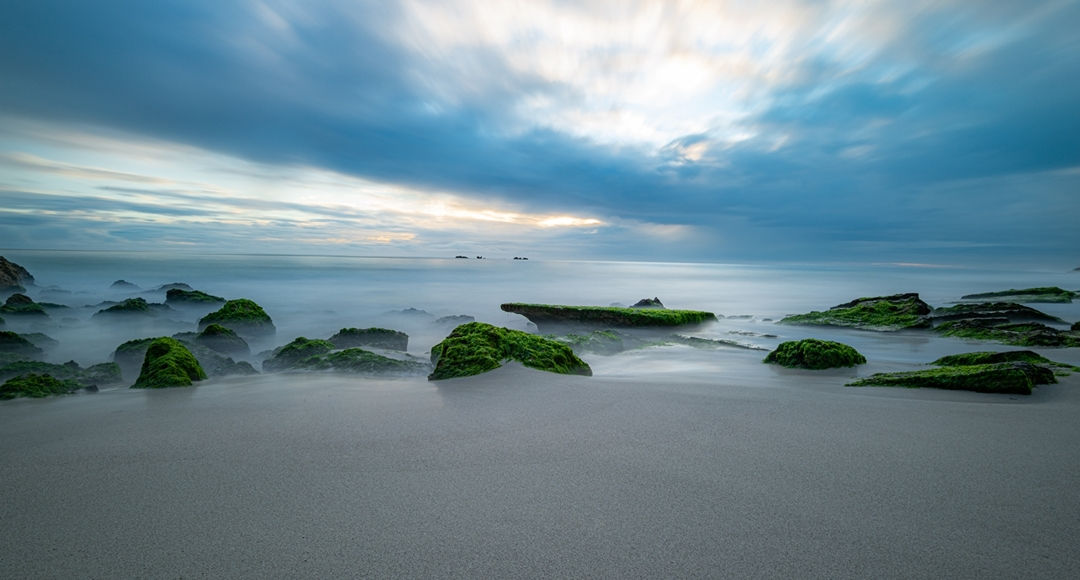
column 765, row 473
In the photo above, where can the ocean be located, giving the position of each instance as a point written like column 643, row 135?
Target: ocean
column 315, row 296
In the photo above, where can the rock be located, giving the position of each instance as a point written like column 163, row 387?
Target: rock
column 648, row 303
column 880, row 313
column 191, row 297
column 16, row 344
column 40, row 340
column 815, row 354
column 130, row 354
column 21, row 304
column 360, row 361
column 123, row 285
column 605, row 342
column 172, row 286
column 547, row 315
column 1001, row 330
column 1004, row 377
column 243, row 316
column 455, row 320
column 1009, row 310
column 168, row 363
column 13, row 277
column 35, row 385
column 99, row 374
column 376, row 337
column 478, row 347
column 221, row 339
column 1041, row 294
column 132, row 307
column 286, row 357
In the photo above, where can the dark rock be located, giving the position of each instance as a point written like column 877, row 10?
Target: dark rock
column 360, row 361
column 172, row 286
column 1076, row 326
column 221, row 339
column 374, row 337
column 16, row 344
column 880, row 313
column 455, row 320
column 35, row 385
column 1009, row 310
column 13, row 277
column 648, row 303
column 1005, row 377
column 1042, row 294
column 168, row 363
column 99, row 374
column 477, row 347
column 191, row 297
column 1001, row 330
column 22, row 305
column 132, row 307
column 123, row 285
column 287, row 357
column 558, row 317
column 815, row 354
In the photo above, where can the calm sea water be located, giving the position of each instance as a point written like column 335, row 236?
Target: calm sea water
column 314, row 296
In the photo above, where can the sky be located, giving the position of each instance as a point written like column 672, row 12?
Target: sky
column 914, row 132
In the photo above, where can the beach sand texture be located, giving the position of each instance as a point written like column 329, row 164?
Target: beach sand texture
column 519, row 473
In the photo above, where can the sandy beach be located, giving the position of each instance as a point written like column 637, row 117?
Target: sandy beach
column 518, row 473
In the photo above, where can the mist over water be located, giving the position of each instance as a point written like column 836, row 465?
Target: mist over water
column 315, row 296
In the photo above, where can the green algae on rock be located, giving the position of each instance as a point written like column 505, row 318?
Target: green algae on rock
column 1009, row 310
column 18, row 345
column 1041, row 294
column 880, row 313
column 815, row 354
column 189, row 297
column 1014, row 333
column 37, row 386
column 94, row 375
column 241, row 315
column 168, row 363
column 1004, row 377
column 21, row 304
column 477, row 347
column 286, row 357
column 360, row 361
column 224, row 340
column 374, row 337
column 606, row 316
column 132, row 307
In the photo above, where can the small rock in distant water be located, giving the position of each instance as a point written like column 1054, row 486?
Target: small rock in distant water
column 191, row 297
column 648, row 303
column 124, row 285
column 455, row 320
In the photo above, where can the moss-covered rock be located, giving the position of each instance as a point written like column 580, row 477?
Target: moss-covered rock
column 1075, row 327
column 815, row 354
column 243, row 316
column 1014, row 333
column 132, row 352
column 36, row 386
column 360, row 361
column 224, row 340
column 880, row 313
column 648, row 303
column 1009, row 310
column 1004, row 377
column 286, row 357
column 477, row 347
column 1041, row 294
column 598, row 341
column 987, row 357
column 376, row 337
column 22, row 305
column 172, row 286
column 123, row 285
column 558, row 316
column 132, row 307
column 178, row 296
column 168, row 363
column 95, row 375
column 15, row 344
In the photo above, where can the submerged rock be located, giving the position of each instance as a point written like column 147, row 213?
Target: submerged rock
column 218, row 338
column 1009, row 310
column 1042, row 294
column 1003, row 377
column 815, row 354
column 21, row 304
column 168, row 363
column 130, row 355
column 1014, row 333
column 172, row 286
column 36, row 386
column 132, row 307
column 13, row 277
column 99, row 374
column 286, row 357
column 360, row 361
column 477, row 347
column 455, row 320
column 123, row 285
column 880, row 313
column 376, row 337
column 16, row 344
column 605, row 316
column 191, row 297
column 243, row 316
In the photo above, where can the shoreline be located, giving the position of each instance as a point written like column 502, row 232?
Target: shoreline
column 523, row 473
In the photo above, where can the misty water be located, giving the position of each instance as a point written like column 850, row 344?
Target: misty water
column 315, row 296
